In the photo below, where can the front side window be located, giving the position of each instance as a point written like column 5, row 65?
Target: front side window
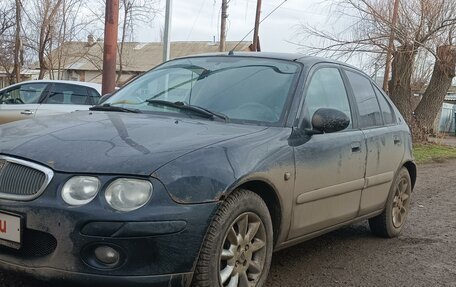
column 326, row 90
column 23, row 94
column 369, row 110
column 66, row 94
column 243, row 88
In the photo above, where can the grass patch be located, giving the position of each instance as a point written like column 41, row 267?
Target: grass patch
column 426, row 153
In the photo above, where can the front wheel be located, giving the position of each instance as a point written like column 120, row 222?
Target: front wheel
column 237, row 249
column 391, row 222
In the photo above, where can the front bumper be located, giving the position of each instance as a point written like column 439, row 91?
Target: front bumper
column 158, row 244
column 57, row 277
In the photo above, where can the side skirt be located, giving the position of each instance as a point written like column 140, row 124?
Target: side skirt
column 312, row 235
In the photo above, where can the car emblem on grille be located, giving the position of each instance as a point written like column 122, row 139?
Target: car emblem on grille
column 2, row 164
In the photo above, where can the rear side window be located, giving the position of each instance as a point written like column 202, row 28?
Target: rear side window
column 326, row 90
column 387, row 111
column 94, row 97
column 67, row 94
column 369, row 110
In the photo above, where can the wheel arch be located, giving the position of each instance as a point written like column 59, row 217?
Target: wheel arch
column 411, row 167
column 268, row 193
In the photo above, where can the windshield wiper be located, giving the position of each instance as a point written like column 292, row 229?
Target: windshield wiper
column 109, row 108
column 192, row 108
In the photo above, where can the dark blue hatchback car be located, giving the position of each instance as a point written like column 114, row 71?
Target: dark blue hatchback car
column 194, row 173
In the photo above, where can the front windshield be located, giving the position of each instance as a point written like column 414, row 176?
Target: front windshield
column 245, row 89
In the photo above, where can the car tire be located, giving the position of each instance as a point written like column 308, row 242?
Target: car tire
column 227, row 256
column 390, row 223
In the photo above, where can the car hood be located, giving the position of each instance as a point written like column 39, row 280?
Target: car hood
column 112, row 142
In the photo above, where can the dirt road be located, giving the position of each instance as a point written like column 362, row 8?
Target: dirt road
column 425, row 255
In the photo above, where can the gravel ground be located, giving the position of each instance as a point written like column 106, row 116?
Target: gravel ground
column 425, row 255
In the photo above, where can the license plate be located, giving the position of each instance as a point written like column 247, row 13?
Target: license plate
column 10, row 230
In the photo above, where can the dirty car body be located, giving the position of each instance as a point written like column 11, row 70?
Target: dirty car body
column 252, row 126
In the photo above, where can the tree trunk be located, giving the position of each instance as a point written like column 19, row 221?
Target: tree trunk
column 41, row 49
column 400, row 84
column 434, row 96
column 436, row 128
column 45, row 35
column 17, row 45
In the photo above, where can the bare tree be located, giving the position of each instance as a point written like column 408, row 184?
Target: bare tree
column 41, row 19
column 442, row 77
column 6, row 18
column 7, row 24
column 72, row 27
column 134, row 12
column 18, row 51
column 420, row 26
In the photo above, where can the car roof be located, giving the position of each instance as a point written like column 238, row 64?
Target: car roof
column 295, row 57
column 77, row 83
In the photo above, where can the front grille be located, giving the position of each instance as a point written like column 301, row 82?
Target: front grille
column 21, row 180
column 35, row 244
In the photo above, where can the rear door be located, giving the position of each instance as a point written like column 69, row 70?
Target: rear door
column 329, row 167
column 21, row 101
column 65, row 98
column 384, row 142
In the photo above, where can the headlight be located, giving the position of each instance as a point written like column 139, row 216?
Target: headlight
column 80, row 190
column 128, row 194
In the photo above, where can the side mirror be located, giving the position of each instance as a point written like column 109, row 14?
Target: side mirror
column 329, row 121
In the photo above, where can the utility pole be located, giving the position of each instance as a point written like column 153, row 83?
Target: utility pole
column 390, row 46
column 223, row 26
column 166, row 34
column 110, row 46
column 256, row 38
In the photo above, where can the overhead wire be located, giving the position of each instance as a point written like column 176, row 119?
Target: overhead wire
column 266, row 17
column 197, row 18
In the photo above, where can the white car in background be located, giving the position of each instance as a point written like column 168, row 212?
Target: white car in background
column 46, row 97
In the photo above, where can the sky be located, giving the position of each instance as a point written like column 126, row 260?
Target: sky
column 199, row 20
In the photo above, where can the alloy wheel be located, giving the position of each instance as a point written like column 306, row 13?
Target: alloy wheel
column 243, row 253
column 401, row 202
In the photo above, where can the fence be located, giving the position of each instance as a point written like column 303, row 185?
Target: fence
column 447, row 120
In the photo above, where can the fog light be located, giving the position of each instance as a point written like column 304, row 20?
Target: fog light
column 107, row 255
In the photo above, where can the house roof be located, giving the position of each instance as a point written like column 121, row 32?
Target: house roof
column 451, row 98
column 24, row 72
column 137, row 56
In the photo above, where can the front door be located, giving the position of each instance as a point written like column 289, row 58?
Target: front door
column 329, row 167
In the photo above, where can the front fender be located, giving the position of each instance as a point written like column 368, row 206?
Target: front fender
column 206, row 175
column 203, row 176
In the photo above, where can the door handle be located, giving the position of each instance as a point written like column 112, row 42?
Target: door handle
column 396, row 140
column 356, row 147
column 27, row 112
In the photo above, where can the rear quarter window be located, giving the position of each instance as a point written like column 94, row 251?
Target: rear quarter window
column 94, row 97
column 385, row 107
